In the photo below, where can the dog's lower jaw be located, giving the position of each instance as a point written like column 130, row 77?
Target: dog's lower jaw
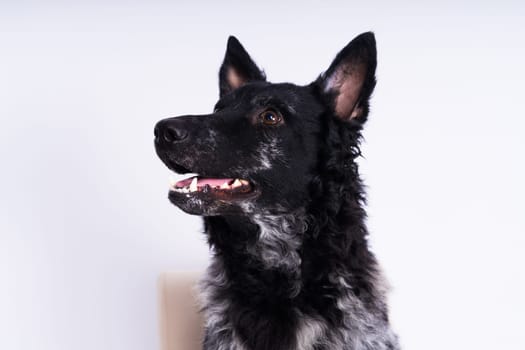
column 257, row 277
column 203, row 204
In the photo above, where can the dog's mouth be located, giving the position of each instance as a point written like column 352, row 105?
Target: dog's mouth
column 226, row 188
column 207, row 194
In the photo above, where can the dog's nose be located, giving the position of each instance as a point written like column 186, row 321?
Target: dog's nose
column 170, row 131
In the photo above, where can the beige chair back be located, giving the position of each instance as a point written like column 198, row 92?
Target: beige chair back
column 179, row 320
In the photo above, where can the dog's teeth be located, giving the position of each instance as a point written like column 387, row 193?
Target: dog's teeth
column 193, row 185
column 236, row 183
column 245, row 182
column 172, row 182
column 181, row 190
column 225, row 186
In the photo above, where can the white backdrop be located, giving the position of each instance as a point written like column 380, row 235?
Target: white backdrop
column 85, row 226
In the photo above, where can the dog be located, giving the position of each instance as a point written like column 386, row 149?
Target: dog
column 278, row 187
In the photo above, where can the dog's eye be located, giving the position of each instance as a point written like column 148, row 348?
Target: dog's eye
column 270, row 117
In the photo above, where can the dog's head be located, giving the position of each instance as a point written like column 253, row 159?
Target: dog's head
column 262, row 146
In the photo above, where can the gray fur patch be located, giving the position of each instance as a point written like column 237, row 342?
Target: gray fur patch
column 280, row 239
column 266, row 154
column 219, row 330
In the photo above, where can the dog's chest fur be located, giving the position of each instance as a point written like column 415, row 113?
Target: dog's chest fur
column 261, row 298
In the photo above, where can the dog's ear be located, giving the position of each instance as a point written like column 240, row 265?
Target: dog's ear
column 350, row 79
column 237, row 68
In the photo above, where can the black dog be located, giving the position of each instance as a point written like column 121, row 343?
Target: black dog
column 282, row 201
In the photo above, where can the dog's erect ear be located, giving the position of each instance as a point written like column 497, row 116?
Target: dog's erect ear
column 237, row 68
column 350, row 79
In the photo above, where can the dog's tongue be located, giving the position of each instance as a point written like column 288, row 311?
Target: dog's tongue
column 201, row 182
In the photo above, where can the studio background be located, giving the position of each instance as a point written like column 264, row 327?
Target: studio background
column 85, row 224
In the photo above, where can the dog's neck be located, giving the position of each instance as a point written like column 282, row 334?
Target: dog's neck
column 272, row 241
column 260, row 248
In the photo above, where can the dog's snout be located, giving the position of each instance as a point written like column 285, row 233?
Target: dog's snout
column 170, row 131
